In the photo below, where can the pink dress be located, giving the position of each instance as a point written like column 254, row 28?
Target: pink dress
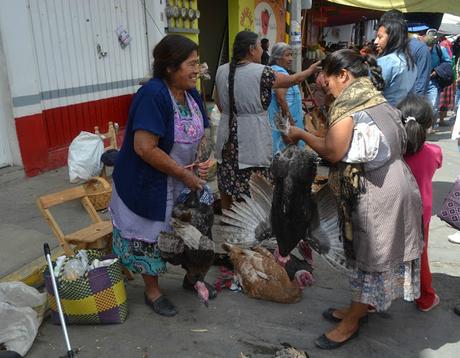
column 424, row 164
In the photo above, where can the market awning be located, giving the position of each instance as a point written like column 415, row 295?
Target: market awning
column 444, row 6
column 327, row 14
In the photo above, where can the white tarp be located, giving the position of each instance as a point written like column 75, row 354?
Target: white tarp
column 450, row 24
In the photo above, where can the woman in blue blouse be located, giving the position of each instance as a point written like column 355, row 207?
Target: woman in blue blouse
column 398, row 68
column 165, row 126
column 288, row 100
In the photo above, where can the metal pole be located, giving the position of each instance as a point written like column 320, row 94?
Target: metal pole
column 70, row 352
column 296, row 35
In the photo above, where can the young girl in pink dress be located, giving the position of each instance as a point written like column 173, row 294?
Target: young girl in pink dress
column 423, row 159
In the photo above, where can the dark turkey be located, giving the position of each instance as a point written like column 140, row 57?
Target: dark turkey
column 293, row 170
column 190, row 242
column 247, row 224
column 198, row 214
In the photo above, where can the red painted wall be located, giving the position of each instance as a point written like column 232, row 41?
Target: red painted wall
column 44, row 137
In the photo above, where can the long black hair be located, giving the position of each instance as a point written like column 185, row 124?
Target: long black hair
column 359, row 66
column 417, row 117
column 243, row 43
column 170, row 52
column 398, row 38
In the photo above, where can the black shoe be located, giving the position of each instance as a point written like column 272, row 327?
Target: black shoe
column 188, row 286
column 325, row 343
column 161, row 305
column 329, row 315
column 457, row 309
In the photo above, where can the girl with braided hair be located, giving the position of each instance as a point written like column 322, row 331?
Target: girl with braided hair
column 379, row 203
column 244, row 137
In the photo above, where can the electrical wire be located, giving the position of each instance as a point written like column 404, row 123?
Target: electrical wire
column 151, row 17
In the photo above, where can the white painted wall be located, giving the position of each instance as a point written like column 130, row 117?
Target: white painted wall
column 51, row 46
column 66, row 35
column 18, row 76
column 9, row 148
column 19, row 52
column 156, row 23
column 50, row 57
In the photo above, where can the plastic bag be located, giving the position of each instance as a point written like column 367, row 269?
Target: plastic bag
column 76, row 267
column 21, row 311
column 84, row 158
column 214, row 120
column 456, row 128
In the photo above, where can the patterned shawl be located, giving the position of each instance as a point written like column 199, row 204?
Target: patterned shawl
column 345, row 179
column 358, row 96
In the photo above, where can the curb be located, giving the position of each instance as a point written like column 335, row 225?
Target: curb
column 30, row 273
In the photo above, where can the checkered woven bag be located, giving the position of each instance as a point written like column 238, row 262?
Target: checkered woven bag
column 450, row 210
column 96, row 298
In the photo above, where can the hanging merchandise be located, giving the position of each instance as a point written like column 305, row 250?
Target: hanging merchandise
column 123, row 36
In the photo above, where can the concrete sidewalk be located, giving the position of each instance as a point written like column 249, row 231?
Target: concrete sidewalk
column 235, row 323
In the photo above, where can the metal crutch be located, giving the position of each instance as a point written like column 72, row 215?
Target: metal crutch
column 70, row 352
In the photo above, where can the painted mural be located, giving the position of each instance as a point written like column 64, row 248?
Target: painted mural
column 269, row 19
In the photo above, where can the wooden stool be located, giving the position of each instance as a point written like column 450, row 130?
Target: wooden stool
column 96, row 235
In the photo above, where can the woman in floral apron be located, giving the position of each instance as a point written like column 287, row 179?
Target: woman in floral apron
column 165, row 126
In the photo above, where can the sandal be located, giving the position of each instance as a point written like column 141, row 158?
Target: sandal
column 323, row 342
column 161, row 305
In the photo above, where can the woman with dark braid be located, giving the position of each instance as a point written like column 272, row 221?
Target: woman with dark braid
column 379, row 203
column 244, row 137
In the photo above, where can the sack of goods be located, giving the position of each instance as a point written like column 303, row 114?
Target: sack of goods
column 450, row 210
column 91, row 288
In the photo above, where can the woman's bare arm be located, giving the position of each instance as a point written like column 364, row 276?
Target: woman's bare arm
column 334, row 146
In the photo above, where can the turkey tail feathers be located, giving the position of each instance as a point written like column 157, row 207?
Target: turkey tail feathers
column 245, row 224
column 324, row 232
column 262, row 193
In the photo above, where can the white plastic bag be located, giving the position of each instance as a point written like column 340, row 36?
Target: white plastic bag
column 84, row 159
column 456, row 128
column 364, row 144
column 214, row 120
column 21, row 313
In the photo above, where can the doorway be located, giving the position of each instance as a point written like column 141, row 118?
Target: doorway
column 213, row 38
